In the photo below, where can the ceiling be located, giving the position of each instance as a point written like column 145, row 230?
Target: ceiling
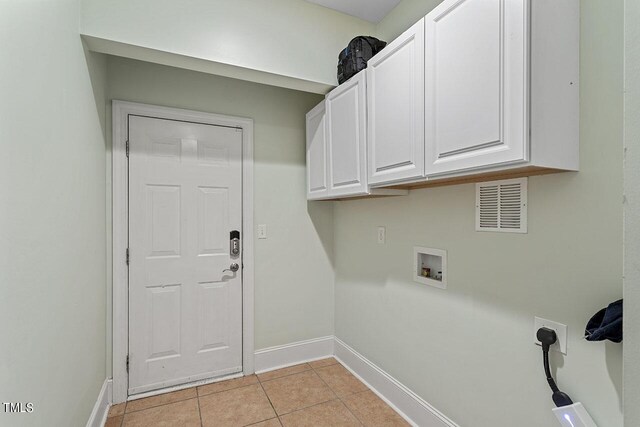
column 369, row 10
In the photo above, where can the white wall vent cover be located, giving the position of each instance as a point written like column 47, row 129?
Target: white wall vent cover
column 502, row 206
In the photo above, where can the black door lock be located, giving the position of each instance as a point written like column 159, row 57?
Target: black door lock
column 234, row 243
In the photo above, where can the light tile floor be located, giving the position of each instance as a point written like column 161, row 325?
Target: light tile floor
column 315, row 394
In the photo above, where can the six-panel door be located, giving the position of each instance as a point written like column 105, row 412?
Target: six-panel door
column 476, row 75
column 346, row 124
column 395, row 98
column 185, row 196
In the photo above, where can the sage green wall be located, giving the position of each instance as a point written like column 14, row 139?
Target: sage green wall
column 632, row 214
column 286, row 37
column 469, row 350
column 293, row 268
column 404, row 15
column 52, row 221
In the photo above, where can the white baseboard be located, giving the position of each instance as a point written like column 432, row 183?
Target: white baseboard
column 282, row 356
column 100, row 410
column 408, row 404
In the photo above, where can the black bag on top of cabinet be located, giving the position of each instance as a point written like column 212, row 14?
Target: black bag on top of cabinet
column 354, row 57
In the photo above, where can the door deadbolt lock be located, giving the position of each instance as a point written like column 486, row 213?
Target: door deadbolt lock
column 233, row 267
column 234, row 243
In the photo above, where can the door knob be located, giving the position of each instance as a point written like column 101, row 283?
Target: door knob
column 233, row 267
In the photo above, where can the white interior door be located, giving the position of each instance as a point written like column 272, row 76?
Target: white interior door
column 185, row 197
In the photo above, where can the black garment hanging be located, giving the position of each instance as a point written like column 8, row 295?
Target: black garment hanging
column 606, row 324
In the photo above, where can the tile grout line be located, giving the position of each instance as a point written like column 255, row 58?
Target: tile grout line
column 306, row 407
column 268, row 419
column 261, row 383
column 311, row 406
column 269, row 400
column 321, row 403
column 228, row 389
column 124, row 413
column 349, row 409
column 324, row 366
column 239, row 387
column 199, row 410
column 385, row 405
column 328, row 386
column 162, row 404
column 284, row 376
column 340, row 398
column 311, row 368
column 278, row 417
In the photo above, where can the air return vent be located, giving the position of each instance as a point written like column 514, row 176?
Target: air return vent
column 502, row 206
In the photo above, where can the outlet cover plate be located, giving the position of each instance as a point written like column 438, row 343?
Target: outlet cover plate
column 382, row 235
column 561, row 332
column 262, row 231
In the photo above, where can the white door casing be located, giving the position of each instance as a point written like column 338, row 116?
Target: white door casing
column 185, row 197
column 476, row 84
column 122, row 112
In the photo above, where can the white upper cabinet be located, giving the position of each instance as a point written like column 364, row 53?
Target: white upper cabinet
column 317, row 182
column 502, row 86
column 476, row 84
column 395, row 99
column 346, row 138
column 474, row 89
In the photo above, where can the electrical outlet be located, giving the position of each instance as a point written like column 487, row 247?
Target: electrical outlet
column 382, row 235
column 262, row 231
column 561, row 332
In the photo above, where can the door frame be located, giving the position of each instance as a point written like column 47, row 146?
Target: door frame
column 120, row 217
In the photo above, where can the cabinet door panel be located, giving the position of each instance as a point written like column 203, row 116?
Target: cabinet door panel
column 476, row 70
column 395, row 97
column 317, row 153
column 346, row 117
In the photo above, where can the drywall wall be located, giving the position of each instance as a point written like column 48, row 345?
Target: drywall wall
column 632, row 213
column 279, row 37
column 404, row 15
column 293, row 272
column 52, row 221
column 469, row 350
